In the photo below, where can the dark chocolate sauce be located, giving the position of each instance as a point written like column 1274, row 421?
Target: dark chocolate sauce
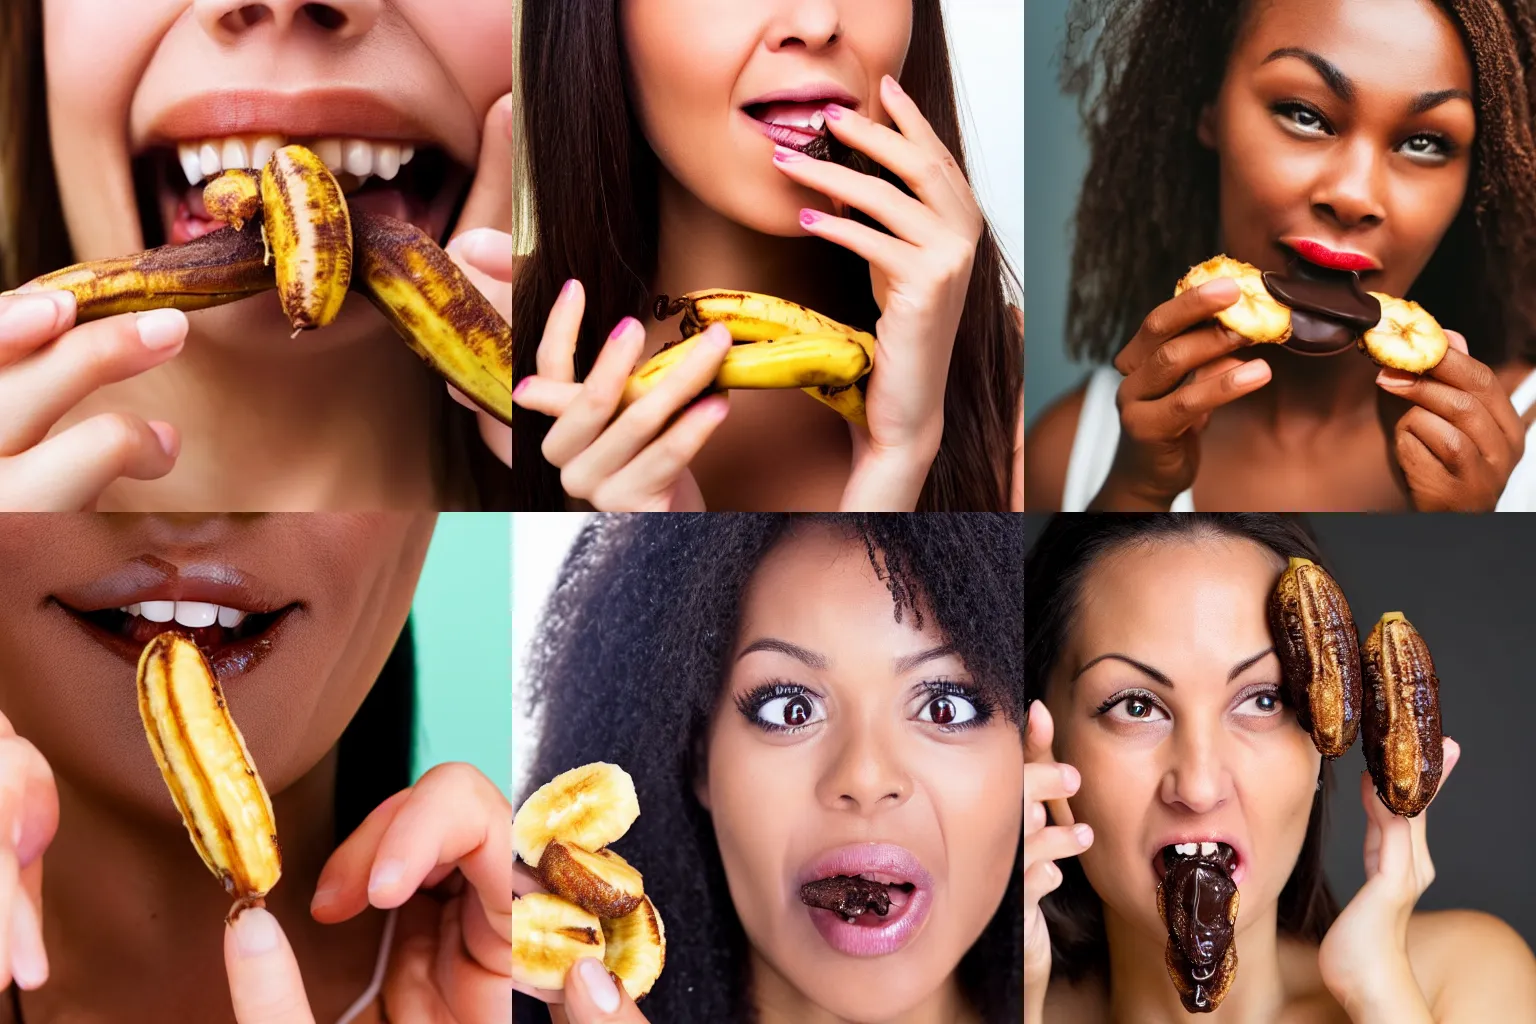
column 847, row 896
column 1197, row 894
column 1329, row 309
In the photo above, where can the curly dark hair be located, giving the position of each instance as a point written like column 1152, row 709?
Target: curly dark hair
column 627, row 668
column 1142, row 70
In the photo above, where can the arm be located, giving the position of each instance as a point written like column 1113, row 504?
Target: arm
column 1047, row 450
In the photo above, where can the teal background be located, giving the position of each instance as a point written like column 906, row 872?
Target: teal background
column 463, row 622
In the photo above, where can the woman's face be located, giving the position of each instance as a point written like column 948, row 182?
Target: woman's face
column 716, row 82
column 320, row 599
column 1167, row 700
column 847, row 743
column 144, row 95
column 1344, row 130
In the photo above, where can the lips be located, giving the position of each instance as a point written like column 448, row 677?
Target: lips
column 1320, row 254
column 1199, row 844
column 911, row 897
column 795, row 118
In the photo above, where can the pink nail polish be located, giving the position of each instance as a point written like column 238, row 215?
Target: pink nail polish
column 785, row 156
column 522, row 386
column 623, row 326
column 809, row 217
column 568, row 289
column 834, row 112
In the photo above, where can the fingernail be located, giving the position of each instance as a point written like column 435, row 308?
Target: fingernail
column 385, row 874
column 892, row 84
column 255, row 932
column 568, row 289
column 600, row 988
column 1084, row 834
column 1217, row 288
column 473, row 244
column 170, row 441
column 160, row 329
column 1250, row 373
column 522, row 386
column 833, row 112
column 809, row 217
column 1388, row 379
column 1070, row 778
column 29, row 961
column 623, row 326
column 718, row 337
column 27, row 314
column 506, row 115
column 783, row 155
column 322, row 897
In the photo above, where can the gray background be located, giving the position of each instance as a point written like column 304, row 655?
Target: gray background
column 1469, row 585
column 1054, row 160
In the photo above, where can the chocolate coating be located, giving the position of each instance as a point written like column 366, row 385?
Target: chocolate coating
column 1198, row 903
column 1329, row 309
column 846, row 896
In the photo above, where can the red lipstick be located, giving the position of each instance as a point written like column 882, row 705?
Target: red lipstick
column 1320, row 254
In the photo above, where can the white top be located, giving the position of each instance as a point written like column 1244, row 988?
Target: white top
column 1098, row 435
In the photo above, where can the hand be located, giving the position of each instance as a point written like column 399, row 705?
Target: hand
column 920, row 274
column 47, row 367
column 1044, row 780
column 1364, row 956
column 637, row 462
column 482, row 247
column 1178, row 368
column 1455, row 435
column 452, row 953
column 29, row 817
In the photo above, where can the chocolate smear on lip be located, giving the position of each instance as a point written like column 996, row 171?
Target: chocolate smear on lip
column 847, row 896
column 1329, row 308
column 1198, row 902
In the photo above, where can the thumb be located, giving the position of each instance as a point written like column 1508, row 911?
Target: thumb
column 490, row 196
column 264, row 981
column 593, row 997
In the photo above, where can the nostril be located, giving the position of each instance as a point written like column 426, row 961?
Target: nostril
column 245, row 16
column 324, row 15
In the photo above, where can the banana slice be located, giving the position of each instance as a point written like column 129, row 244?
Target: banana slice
column 589, row 807
column 548, row 936
column 1255, row 315
column 1406, row 337
column 637, row 948
column 601, row 883
column 234, row 197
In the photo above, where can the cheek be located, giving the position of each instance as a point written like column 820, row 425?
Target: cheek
column 474, row 46
column 675, row 108
column 752, row 789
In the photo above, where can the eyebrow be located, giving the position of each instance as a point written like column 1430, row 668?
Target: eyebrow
column 911, row 661
column 809, row 658
column 1162, row 679
column 1341, row 86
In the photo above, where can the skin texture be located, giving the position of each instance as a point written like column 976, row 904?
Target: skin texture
column 733, row 215
column 1217, row 754
column 1265, row 428
column 127, row 952
column 873, row 770
column 312, row 422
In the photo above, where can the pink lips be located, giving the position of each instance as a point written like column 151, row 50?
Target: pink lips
column 898, row 927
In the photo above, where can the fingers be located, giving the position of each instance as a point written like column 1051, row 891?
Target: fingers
column 29, row 320
column 657, row 468
column 593, row 408
column 524, row 881
column 1441, row 439
column 907, row 217
column 68, row 472
column 556, row 357
column 489, row 204
column 876, row 248
column 915, row 127
column 593, row 997
column 43, row 387
column 931, row 172
column 1039, row 881
column 541, row 394
column 264, row 981
column 487, row 250
column 1174, row 317
column 1039, row 731
column 1171, row 363
column 1467, row 393
column 1056, row 843
column 1189, row 405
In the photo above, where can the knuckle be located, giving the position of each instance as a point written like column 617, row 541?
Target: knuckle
column 1155, row 323
column 1483, row 377
column 1166, row 356
column 575, row 481
column 117, row 433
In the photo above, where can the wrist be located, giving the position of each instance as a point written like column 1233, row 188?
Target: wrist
column 887, row 479
column 1121, row 495
column 1389, row 995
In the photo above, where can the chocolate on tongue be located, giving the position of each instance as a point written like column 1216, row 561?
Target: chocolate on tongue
column 1196, row 898
column 1329, row 309
column 846, row 896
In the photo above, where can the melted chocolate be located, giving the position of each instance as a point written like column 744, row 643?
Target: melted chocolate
column 846, row 896
column 1196, row 898
column 1329, row 309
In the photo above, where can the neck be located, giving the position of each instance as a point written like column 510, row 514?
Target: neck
column 133, row 919
column 779, row 1002
column 344, row 425
column 1142, row 993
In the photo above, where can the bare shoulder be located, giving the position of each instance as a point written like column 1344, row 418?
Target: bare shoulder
column 1047, row 450
column 1472, row 965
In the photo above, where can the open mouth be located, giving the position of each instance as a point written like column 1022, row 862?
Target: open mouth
column 1212, row 850
column 413, row 181
column 797, row 126
column 233, row 639
column 866, row 900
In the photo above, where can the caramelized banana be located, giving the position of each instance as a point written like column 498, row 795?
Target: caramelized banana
column 1255, row 315
column 1402, row 716
column 1319, row 653
column 309, row 232
column 234, row 197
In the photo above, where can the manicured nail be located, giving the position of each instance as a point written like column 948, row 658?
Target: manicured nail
column 784, row 155
column 599, row 986
column 1070, row 779
column 1218, row 289
column 160, row 329
column 30, row 314
column 255, row 932
column 1250, row 373
column 170, row 441
column 322, row 897
column 568, row 289
column 1388, row 379
column 834, row 112
column 809, row 217
column 893, row 85
column 385, row 874
column 522, row 386
column 1083, row 833
column 623, row 326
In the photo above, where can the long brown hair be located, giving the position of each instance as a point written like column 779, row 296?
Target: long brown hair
column 1142, row 70
column 35, row 240
column 1054, row 570
column 592, row 181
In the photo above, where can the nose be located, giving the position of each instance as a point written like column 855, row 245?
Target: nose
column 1350, row 190
column 812, row 24
column 232, row 20
column 1197, row 780
column 865, row 774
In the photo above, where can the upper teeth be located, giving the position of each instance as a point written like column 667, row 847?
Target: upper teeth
column 360, row 157
column 813, row 122
column 1189, row 849
column 187, row 613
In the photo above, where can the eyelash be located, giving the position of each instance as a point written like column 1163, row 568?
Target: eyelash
column 1147, row 697
column 1289, row 109
column 753, row 701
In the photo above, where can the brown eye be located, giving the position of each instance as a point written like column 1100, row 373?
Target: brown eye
column 797, row 711
column 943, row 711
column 949, row 710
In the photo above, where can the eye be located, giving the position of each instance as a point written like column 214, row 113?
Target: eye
column 790, row 712
column 948, row 710
column 1133, row 707
column 1262, row 704
column 1301, row 118
column 1427, row 148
